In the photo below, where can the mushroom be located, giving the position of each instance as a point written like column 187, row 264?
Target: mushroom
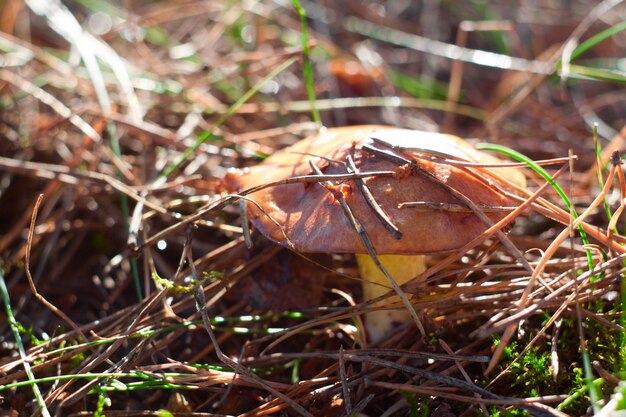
column 312, row 216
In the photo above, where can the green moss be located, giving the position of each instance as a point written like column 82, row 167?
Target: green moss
column 533, row 373
column 192, row 285
column 28, row 331
column 418, row 407
column 103, row 401
column 514, row 412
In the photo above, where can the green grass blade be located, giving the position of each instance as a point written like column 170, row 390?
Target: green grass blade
column 594, row 396
column 539, row 170
column 307, row 68
column 599, row 74
column 578, row 393
column 596, row 39
column 599, row 168
column 114, row 142
column 145, row 382
column 20, row 346
column 593, row 393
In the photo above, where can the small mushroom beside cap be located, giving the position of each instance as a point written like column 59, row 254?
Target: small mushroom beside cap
column 309, row 217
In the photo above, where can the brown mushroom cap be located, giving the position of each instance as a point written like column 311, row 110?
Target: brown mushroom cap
column 308, row 218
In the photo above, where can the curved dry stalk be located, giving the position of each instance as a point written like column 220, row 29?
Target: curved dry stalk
column 31, row 283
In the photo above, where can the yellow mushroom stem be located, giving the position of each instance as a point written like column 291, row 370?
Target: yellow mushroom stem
column 380, row 324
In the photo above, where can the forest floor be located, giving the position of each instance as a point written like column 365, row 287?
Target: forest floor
column 125, row 274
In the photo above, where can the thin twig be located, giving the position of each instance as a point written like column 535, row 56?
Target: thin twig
column 455, row 208
column 148, row 303
column 371, row 201
column 360, row 406
column 360, row 230
column 344, row 386
column 432, row 155
column 397, row 353
column 448, row 350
